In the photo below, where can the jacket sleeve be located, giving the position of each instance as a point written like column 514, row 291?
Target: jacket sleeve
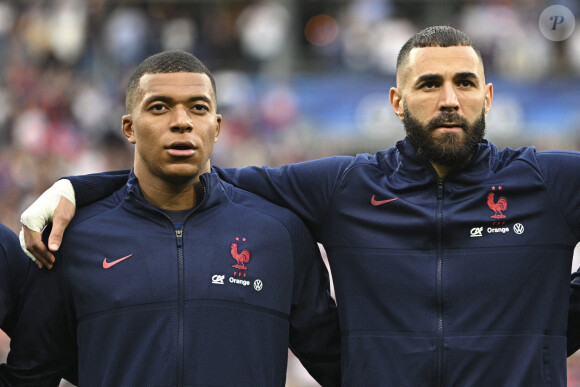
column 561, row 173
column 314, row 325
column 43, row 339
column 13, row 268
column 574, row 314
column 95, row 186
column 305, row 188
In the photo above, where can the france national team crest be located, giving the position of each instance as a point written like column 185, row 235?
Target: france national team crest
column 499, row 205
column 241, row 255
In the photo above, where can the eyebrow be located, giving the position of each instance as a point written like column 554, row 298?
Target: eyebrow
column 465, row 75
column 438, row 78
column 169, row 100
column 429, row 78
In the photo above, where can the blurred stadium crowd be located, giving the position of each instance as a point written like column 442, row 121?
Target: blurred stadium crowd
column 296, row 79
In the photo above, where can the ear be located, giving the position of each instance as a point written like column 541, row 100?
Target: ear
column 218, row 128
column 396, row 102
column 127, row 127
column 488, row 97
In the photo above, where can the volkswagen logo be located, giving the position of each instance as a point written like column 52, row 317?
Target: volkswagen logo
column 519, row 228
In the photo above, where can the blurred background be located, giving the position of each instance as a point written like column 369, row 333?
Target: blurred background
column 296, row 80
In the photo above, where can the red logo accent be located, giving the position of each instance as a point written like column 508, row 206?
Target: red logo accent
column 242, row 257
column 497, row 207
column 107, row 265
column 375, row 202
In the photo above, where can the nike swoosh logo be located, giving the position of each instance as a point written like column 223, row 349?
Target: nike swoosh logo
column 107, row 265
column 375, row 202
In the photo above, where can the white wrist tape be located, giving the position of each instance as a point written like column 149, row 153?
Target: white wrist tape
column 40, row 213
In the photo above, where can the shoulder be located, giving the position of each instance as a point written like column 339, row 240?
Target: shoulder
column 343, row 165
column 508, row 154
column 258, row 206
column 10, row 246
column 365, row 166
column 13, row 262
column 558, row 168
column 102, row 206
column 335, row 165
column 263, row 214
column 531, row 154
column 8, row 237
column 506, row 157
column 544, row 160
column 278, row 224
column 562, row 163
column 558, row 156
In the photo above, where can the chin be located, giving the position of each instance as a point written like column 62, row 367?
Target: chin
column 181, row 173
column 451, row 138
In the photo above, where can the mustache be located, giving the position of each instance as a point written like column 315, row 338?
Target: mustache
column 448, row 118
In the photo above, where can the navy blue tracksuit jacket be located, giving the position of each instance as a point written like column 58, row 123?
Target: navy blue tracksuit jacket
column 15, row 269
column 215, row 300
column 14, row 265
column 463, row 281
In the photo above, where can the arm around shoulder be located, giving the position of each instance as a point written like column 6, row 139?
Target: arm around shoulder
column 305, row 188
column 314, row 327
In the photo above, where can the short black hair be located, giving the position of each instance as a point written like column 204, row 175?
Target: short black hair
column 436, row 36
column 172, row 61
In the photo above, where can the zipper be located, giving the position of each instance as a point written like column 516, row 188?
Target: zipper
column 439, row 345
column 180, row 369
column 181, row 290
column 180, row 307
column 180, row 358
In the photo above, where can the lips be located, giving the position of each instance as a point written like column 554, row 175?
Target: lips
column 181, row 149
column 450, row 127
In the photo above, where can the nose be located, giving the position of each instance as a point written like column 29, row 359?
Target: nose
column 181, row 121
column 448, row 101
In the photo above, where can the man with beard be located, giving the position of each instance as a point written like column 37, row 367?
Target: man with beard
column 450, row 258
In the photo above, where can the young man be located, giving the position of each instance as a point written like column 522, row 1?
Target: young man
column 178, row 278
column 450, row 258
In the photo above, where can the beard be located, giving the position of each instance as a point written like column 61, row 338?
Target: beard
column 449, row 149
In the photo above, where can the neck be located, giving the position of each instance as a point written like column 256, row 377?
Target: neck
column 168, row 196
column 441, row 170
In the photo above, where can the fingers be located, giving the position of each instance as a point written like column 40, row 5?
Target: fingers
column 31, row 242
column 63, row 214
column 23, row 244
column 57, row 204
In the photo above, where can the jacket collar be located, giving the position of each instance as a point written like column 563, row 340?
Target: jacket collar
column 414, row 167
column 214, row 190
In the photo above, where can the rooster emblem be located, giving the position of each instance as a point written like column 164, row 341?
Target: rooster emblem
column 241, row 258
column 498, row 207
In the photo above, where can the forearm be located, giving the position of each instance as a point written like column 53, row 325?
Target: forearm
column 92, row 187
